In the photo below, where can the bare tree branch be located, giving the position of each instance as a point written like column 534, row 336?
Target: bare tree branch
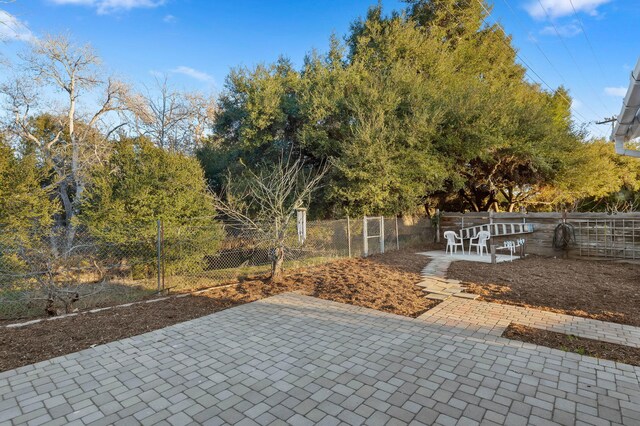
column 266, row 202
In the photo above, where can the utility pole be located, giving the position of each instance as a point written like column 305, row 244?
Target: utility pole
column 611, row 120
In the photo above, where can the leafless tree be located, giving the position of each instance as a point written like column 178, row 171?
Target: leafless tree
column 266, row 201
column 57, row 282
column 202, row 112
column 173, row 120
column 79, row 138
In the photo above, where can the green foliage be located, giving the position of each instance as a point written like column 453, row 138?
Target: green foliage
column 259, row 106
column 140, row 184
column 26, row 209
column 25, row 205
column 428, row 108
column 596, row 179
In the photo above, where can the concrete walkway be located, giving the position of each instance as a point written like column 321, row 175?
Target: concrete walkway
column 294, row 359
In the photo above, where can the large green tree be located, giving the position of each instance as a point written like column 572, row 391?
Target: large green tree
column 426, row 108
column 140, row 184
column 26, row 205
column 26, row 211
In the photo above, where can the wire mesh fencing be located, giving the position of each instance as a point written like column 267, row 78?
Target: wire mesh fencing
column 62, row 270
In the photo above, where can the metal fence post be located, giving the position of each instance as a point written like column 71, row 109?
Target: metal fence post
column 159, row 253
column 349, row 235
column 162, row 253
column 397, row 235
column 381, row 234
column 365, row 238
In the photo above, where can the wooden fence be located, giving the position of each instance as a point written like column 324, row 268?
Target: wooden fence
column 605, row 235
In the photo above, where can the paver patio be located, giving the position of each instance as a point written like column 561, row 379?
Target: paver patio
column 300, row 360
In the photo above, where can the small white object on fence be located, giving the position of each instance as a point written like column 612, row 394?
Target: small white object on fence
column 301, row 221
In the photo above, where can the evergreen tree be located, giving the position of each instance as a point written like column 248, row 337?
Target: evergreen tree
column 141, row 183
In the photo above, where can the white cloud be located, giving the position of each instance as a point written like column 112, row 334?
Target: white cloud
column 169, row 19
column 568, row 30
column 193, row 73
column 11, row 28
column 104, row 7
column 559, row 8
column 618, row 92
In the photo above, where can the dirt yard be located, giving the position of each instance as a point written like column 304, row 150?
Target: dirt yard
column 384, row 282
column 579, row 345
column 601, row 290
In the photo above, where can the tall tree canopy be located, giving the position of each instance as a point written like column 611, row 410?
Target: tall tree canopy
column 425, row 108
column 141, row 183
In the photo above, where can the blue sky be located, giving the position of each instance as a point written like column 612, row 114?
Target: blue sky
column 196, row 42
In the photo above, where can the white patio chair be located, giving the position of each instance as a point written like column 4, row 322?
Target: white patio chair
column 453, row 242
column 480, row 242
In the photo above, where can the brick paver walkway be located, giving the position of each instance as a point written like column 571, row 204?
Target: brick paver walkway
column 458, row 311
column 300, row 360
column 494, row 318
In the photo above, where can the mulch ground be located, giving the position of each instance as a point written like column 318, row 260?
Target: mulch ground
column 384, row 282
column 569, row 343
column 602, row 290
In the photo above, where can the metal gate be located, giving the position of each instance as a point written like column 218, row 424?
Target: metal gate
column 373, row 235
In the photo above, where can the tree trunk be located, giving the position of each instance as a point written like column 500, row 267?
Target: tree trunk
column 277, row 264
column 70, row 207
column 69, row 214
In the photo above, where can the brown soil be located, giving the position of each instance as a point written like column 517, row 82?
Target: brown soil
column 570, row 343
column 384, row 282
column 602, row 290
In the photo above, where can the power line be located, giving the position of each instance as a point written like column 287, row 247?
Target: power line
column 535, row 42
column 521, row 58
column 584, row 33
column 609, row 120
column 564, row 44
column 586, row 37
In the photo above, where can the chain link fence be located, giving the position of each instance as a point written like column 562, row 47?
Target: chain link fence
column 59, row 271
column 56, row 271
